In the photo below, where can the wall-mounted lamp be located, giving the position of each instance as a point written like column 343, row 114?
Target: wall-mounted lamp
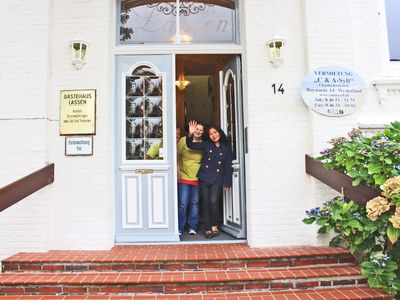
column 79, row 49
column 275, row 48
column 182, row 83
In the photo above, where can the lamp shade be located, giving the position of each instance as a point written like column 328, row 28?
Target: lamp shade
column 79, row 51
column 182, row 83
column 275, row 49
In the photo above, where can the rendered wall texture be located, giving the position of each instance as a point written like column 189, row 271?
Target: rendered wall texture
column 77, row 211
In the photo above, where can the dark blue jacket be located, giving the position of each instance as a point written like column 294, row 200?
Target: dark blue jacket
column 216, row 166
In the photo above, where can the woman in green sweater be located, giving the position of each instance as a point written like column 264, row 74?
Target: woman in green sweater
column 188, row 184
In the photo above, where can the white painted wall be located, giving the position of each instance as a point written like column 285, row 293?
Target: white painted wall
column 24, row 28
column 77, row 211
column 278, row 127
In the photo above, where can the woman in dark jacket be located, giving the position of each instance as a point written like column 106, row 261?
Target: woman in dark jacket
column 214, row 174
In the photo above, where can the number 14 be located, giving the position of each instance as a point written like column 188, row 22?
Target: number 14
column 280, row 89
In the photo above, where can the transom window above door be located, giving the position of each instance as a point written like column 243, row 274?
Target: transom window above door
column 150, row 21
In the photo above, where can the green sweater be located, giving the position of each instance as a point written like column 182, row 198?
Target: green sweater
column 189, row 160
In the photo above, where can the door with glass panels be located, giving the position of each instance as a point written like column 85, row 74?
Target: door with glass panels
column 232, row 124
column 145, row 185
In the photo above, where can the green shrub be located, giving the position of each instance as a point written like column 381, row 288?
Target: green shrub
column 371, row 233
column 371, row 160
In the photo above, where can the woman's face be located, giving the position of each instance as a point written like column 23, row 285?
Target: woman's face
column 199, row 131
column 214, row 135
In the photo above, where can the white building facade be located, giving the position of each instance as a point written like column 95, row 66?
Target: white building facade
column 114, row 197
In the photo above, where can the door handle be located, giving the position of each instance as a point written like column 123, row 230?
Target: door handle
column 144, row 171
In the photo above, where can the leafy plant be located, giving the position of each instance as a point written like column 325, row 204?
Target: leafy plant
column 371, row 233
column 350, row 223
column 380, row 270
column 371, row 160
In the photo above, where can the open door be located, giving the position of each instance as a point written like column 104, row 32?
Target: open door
column 145, row 145
column 232, row 123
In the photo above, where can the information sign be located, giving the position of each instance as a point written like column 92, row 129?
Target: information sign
column 333, row 91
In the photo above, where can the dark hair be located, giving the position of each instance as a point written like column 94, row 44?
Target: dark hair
column 222, row 136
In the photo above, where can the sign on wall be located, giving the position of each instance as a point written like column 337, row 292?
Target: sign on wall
column 78, row 145
column 333, row 91
column 78, row 112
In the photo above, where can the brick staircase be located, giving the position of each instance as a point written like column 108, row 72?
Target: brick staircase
column 208, row 271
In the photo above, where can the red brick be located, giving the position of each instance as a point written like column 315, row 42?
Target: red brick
column 257, row 286
column 303, row 262
column 224, row 287
column 210, row 266
column 30, row 267
column 93, row 289
column 49, row 289
column 343, row 282
column 12, row 290
column 233, row 265
column 280, row 263
column 171, row 267
column 53, row 268
column 326, row 261
column 104, row 267
column 256, row 264
column 10, row 267
column 281, row 285
column 74, row 289
column 113, row 289
column 145, row 289
column 123, row 267
column 362, row 281
column 171, row 289
column 148, row 267
column 307, row 284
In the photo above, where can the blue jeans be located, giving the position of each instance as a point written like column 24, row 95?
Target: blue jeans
column 188, row 206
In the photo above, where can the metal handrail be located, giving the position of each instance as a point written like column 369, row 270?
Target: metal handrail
column 18, row 190
column 340, row 182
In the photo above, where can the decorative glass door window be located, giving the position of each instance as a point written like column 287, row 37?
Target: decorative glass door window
column 231, row 113
column 181, row 21
column 144, row 114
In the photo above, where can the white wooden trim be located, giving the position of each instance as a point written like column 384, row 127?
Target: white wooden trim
column 157, row 201
column 181, row 49
column 132, row 201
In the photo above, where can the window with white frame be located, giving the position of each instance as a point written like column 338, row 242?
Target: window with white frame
column 180, row 21
column 393, row 28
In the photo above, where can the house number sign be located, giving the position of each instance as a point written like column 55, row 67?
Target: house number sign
column 333, row 91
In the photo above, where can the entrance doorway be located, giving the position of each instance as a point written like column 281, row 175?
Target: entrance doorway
column 146, row 195
column 214, row 97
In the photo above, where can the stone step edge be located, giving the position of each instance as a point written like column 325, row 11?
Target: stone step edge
column 343, row 293
column 53, row 266
column 129, row 255
column 182, row 288
column 184, row 276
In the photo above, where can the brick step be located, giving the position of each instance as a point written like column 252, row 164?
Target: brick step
column 174, row 257
column 342, row 293
column 180, row 281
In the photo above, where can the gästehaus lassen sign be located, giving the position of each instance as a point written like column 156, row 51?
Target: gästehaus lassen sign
column 333, row 91
column 78, row 112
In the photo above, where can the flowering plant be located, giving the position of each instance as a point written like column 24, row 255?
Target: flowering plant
column 371, row 160
column 372, row 233
column 380, row 270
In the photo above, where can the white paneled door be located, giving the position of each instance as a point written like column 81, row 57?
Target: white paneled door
column 145, row 135
column 232, row 124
